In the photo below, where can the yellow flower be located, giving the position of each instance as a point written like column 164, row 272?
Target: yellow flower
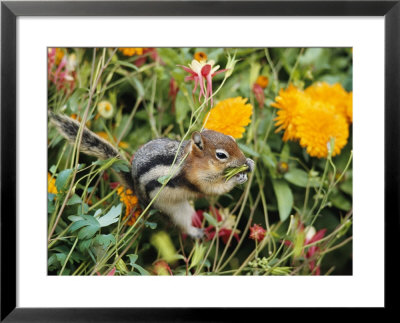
column 127, row 51
column 349, row 110
column 131, row 204
column 317, row 124
column 262, row 81
column 51, row 184
column 200, row 56
column 333, row 94
column 105, row 109
column 315, row 116
column 230, row 116
column 289, row 102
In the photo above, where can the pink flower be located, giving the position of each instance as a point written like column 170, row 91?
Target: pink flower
column 201, row 73
column 314, row 249
column 259, row 94
column 173, row 92
column 257, row 232
column 62, row 75
column 153, row 55
column 111, row 273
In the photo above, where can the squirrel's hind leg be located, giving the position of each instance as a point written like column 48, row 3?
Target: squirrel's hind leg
column 181, row 213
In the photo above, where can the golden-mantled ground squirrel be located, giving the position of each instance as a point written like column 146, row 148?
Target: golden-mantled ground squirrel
column 209, row 154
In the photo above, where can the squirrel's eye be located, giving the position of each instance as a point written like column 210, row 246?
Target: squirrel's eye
column 221, row 154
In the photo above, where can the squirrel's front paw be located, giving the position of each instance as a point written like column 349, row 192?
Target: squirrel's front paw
column 250, row 164
column 196, row 233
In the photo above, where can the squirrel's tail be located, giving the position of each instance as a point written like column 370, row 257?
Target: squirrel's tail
column 91, row 143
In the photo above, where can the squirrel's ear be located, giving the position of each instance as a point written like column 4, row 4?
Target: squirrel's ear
column 197, row 140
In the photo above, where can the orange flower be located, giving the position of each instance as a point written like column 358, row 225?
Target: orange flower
column 104, row 135
column 200, row 56
column 59, row 55
column 317, row 126
column 51, row 184
column 130, row 200
column 262, row 81
column 314, row 117
column 333, row 94
column 230, row 116
column 127, row 51
column 289, row 102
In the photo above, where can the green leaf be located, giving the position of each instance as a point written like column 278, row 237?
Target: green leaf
column 53, row 169
column 285, row 153
column 132, row 259
column 248, row 150
column 299, row 243
column 85, row 244
column 163, row 179
column 50, row 207
column 75, row 98
column 151, row 225
column 111, row 217
column 104, row 239
column 75, row 199
column 268, row 157
column 121, row 165
column 127, row 64
column 162, row 242
column 347, row 185
column 77, row 225
column 300, row 178
column 340, row 201
column 137, row 85
column 169, row 56
column 87, row 232
column 61, row 257
column 181, row 107
column 198, row 255
column 141, row 270
column 62, row 179
column 89, row 226
column 210, row 219
column 284, row 198
column 75, row 218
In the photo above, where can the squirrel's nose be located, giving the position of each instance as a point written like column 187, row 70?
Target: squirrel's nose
column 250, row 164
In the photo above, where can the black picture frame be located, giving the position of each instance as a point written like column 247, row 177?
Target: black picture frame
column 11, row 10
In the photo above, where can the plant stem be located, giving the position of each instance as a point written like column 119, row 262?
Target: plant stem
column 69, row 255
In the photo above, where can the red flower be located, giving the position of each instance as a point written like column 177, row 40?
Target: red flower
column 161, row 268
column 257, row 232
column 312, row 250
column 224, row 231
